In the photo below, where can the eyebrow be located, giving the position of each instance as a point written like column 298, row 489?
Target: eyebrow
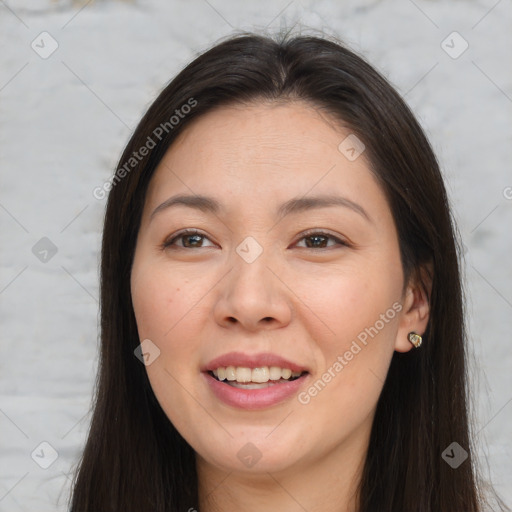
column 295, row 205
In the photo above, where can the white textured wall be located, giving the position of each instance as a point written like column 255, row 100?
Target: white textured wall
column 65, row 119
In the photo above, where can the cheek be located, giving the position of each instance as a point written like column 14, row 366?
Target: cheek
column 154, row 304
column 165, row 310
column 360, row 318
column 348, row 304
column 160, row 299
column 171, row 309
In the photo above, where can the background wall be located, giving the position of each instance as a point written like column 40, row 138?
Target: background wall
column 75, row 78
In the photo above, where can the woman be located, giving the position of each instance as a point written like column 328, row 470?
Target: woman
column 281, row 311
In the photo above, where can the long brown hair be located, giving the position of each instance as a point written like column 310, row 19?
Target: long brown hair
column 134, row 458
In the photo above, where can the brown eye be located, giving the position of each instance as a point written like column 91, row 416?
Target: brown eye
column 319, row 240
column 191, row 239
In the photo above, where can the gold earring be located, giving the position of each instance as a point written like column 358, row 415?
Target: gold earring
column 415, row 339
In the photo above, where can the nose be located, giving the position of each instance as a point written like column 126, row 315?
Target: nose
column 254, row 295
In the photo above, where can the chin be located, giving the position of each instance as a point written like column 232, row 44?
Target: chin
column 252, row 452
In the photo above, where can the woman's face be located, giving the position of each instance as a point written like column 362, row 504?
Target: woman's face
column 294, row 272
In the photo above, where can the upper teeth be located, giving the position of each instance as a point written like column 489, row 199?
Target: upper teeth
column 263, row 374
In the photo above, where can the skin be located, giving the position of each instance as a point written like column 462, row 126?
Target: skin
column 198, row 299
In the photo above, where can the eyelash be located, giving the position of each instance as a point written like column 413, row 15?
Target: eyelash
column 307, row 234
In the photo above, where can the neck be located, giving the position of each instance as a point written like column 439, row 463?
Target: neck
column 328, row 483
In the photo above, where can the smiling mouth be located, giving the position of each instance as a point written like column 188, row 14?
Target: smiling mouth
column 254, row 378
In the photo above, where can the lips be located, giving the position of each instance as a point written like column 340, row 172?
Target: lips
column 253, row 381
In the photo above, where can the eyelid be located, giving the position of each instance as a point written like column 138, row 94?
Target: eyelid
column 323, row 232
column 169, row 242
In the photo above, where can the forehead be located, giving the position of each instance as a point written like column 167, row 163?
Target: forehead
column 250, row 133
column 262, row 152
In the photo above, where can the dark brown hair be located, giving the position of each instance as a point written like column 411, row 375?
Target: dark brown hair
column 134, row 459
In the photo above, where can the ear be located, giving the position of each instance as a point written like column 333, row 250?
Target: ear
column 416, row 307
